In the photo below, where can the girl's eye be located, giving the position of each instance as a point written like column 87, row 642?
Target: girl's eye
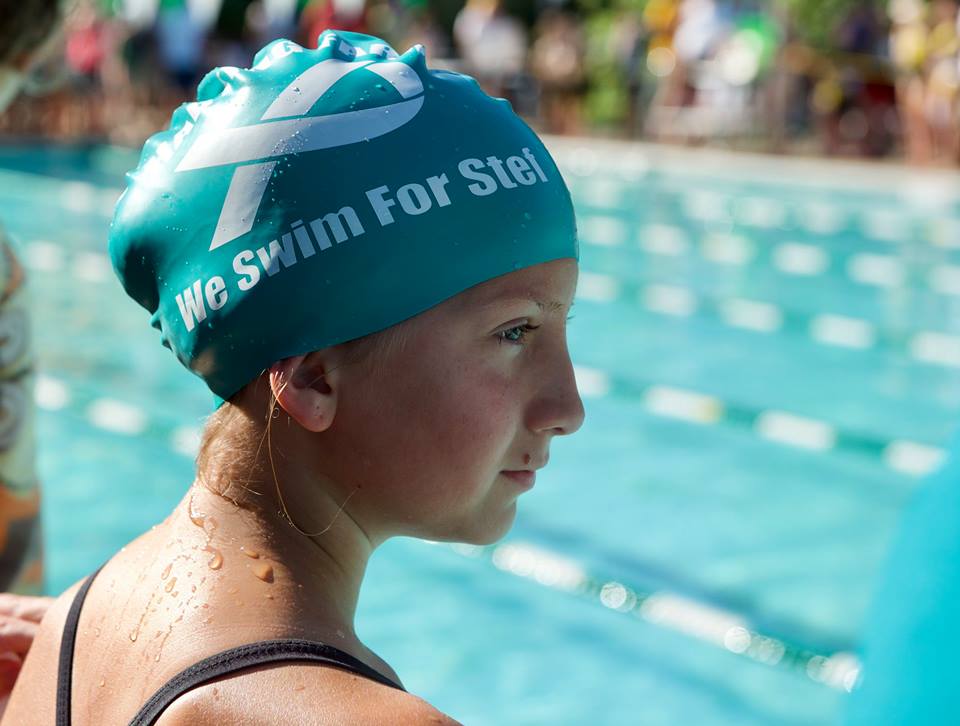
column 505, row 335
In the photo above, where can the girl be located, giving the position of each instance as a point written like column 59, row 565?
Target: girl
column 369, row 263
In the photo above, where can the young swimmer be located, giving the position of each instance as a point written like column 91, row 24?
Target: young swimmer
column 369, row 263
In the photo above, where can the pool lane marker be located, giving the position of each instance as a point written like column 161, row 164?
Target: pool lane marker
column 751, row 315
column 945, row 279
column 702, row 621
column 933, row 347
column 591, row 382
column 663, row 239
column 843, row 331
column 877, row 270
column 938, row 348
column 912, row 458
column 84, row 402
column 669, row 300
column 909, row 458
column 706, row 206
column 92, row 267
column 117, row 416
column 686, row 405
column 603, row 193
column 879, row 223
column 729, row 249
column 44, row 256
column 598, row 288
column 51, row 394
column 795, row 258
column 821, row 217
column 885, row 225
column 603, row 229
column 761, row 212
column 185, row 440
column 793, row 430
column 789, row 257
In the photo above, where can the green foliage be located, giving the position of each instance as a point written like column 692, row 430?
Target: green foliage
column 815, row 20
column 588, row 7
column 605, row 101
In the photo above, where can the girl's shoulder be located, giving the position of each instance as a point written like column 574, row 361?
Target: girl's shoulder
column 314, row 695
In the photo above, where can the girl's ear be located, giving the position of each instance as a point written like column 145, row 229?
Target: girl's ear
column 301, row 390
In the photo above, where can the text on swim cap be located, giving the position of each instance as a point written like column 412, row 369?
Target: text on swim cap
column 486, row 176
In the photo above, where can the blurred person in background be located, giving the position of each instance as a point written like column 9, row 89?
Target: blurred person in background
column 631, row 43
column 908, row 45
column 350, row 15
column 272, row 19
column 660, row 21
column 852, row 96
column 28, row 36
column 492, row 44
column 85, row 54
column 924, row 49
column 556, row 61
column 417, row 25
column 696, row 32
column 132, row 85
column 230, row 37
column 868, row 122
column 941, row 82
column 181, row 41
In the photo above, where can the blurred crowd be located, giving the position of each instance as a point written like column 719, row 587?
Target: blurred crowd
column 839, row 77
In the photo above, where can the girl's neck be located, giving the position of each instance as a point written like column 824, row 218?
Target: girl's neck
column 284, row 578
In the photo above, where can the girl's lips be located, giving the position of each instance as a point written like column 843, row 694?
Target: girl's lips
column 524, row 478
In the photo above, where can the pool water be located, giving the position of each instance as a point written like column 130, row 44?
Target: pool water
column 769, row 356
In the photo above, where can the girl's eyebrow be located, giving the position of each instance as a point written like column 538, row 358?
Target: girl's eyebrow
column 550, row 306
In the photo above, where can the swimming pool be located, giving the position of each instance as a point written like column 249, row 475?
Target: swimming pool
column 769, row 356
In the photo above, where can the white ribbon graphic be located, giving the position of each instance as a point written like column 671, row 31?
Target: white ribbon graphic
column 283, row 129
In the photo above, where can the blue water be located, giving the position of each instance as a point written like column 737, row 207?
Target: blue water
column 787, row 538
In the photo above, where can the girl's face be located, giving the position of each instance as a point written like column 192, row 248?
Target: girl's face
column 476, row 391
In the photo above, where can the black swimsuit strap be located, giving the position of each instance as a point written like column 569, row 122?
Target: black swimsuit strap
column 219, row 664
column 65, row 668
column 244, row 656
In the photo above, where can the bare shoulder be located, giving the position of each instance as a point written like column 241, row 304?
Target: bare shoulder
column 308, row 694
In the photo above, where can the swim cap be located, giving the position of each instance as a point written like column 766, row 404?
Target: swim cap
column 323, row 195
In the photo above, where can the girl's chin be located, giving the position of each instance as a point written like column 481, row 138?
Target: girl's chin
column 477, row 532
column 493, row 531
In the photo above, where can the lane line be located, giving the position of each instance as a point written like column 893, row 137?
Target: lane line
column 752, row 315
column 788, row 428
column 843, row 331
column 693, row 618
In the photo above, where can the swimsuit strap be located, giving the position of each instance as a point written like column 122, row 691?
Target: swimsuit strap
column 65, row 670
column 244, row 656
column 219, row 664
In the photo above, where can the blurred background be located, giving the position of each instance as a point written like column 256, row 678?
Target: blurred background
column 766, row 336
column 857, row 78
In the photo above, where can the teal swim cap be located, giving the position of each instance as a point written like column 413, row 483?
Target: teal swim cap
column 323, row 195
